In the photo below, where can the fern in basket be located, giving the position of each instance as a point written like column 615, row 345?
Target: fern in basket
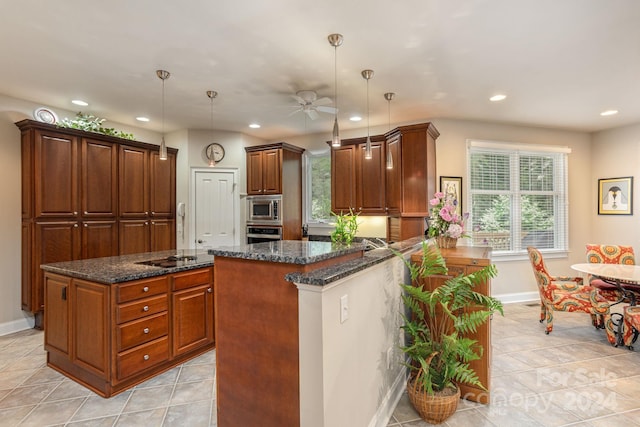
column 438, row 349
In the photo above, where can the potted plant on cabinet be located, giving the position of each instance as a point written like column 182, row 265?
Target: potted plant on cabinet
column 437, row 326
column 346, row 227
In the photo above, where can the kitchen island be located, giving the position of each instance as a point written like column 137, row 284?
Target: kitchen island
column 111, row 323
column 307, row 333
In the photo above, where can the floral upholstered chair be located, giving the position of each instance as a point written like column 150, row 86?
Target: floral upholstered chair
column 631, row 325
column 609, row 254
column 561, row 293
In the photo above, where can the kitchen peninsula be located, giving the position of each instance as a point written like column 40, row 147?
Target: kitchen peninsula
column 113, row 322
column 302, row 328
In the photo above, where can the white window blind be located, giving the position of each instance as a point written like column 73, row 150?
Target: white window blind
column 518, row 196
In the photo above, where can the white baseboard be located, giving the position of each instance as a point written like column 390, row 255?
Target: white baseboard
column 518, row 297
column 390, row 401
column 16, row 325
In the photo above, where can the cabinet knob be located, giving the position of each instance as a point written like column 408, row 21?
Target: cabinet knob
column 86, row 213
column 145, row 357
column 145, row 308
column 474, row 261
column 145, row 330
column 153, row 213
column 146, row 213
column 145, row 289
column 85, row 224
column 209, row 290
column 75, row 225
column 153, row 223
column 75, row 212
column 146, row 223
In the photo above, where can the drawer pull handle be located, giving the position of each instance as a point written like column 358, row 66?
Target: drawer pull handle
column 145, row 308
column 145, row 330
column 474, row 261
column 146, row 357
column 209, row 290
column 145, row 289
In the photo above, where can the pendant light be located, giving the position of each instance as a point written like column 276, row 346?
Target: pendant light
column 212, row 94
column 163, row 75
column 367, row 74
column 389, row 96
column 335, row 40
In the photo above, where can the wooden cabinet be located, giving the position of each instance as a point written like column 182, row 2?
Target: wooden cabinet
column 192, row 304
column 358, row 183
column 110, row 337
column 464, row 260
column 77, row 189
column 277, row 169
column 411, row 182
column 264, row 173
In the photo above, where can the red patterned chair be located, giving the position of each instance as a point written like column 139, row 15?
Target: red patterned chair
column 561, row 293
column 631, row 325
column 609, row 254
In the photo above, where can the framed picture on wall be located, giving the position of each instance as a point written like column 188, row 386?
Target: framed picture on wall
column 615, row 196
column 451, row 186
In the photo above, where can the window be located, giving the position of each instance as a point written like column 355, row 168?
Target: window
column 518, row 196
column 318, row 186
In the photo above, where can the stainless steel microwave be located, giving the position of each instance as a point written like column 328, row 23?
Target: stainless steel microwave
column 264, row 209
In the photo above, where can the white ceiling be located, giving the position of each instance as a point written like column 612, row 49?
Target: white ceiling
column 559, row 62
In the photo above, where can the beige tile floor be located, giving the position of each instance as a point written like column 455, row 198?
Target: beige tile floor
column 572, row 377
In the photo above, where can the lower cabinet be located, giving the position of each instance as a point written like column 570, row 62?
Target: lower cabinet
column 112, row 337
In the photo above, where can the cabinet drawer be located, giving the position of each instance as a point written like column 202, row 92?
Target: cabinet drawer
column 142, row 289
column 141, row 308
column 142, row 357
column 141, row 331
column 192, row 278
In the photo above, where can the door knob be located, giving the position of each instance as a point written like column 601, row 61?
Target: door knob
column 200, row 241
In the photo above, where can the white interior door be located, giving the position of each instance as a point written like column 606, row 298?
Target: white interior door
column 215, row 206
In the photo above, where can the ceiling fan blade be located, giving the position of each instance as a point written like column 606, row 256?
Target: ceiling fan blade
column 297, row 110
column 312, row 114
column 323, row 101
column 299, row 100
column 330, row 110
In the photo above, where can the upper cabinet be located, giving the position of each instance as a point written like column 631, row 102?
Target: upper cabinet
column 357, row 183
column 264, row 171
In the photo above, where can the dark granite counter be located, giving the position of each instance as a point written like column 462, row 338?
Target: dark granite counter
column 287, row 251
column 125, row 268
column 327, row 275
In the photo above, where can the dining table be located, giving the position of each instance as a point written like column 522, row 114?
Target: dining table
column 625, row 277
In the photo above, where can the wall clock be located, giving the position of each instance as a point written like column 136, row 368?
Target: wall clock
column 214, row 152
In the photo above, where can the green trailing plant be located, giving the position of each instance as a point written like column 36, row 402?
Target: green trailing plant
column 90, row 123
column 346, row 227
column 440, row 320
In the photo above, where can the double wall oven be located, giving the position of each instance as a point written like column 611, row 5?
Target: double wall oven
column 264, row 218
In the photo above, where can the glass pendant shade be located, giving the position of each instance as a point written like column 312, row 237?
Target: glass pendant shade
column 367, row 74
column 335, row 139
column 367, row 149
column 163, row 75
column 389, row 96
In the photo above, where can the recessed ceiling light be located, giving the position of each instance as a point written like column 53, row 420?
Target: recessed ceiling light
column 142, row 119
column 498, row 97
column 254, row 126
column 79, row 102
column 609, row 112
column 355, row 118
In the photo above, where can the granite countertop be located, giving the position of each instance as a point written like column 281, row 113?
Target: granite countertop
column 327, row 275
column 287, row 251
column 125, row 268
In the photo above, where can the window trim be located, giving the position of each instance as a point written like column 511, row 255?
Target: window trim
column 521, row 148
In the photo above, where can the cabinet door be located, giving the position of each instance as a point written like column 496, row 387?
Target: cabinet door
column 57, row 242
column 163, row 236
column 162, row 185
column 254, row 172
column 272, row 171
column 99, row 239
column 134, row 237
column 56, row 334
column 90, row 326
column 371, row 180
column 56, row 170
column 393, row 184
column 99, row 179
column 133, row 182
column 343, row 181
column 192, row 318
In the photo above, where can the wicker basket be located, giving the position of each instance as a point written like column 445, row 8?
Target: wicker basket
column 446, row 242
column 434, row 409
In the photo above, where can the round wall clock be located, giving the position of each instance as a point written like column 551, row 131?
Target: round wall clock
column 214, row 152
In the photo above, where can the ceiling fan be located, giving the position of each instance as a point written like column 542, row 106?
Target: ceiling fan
column 311, row 105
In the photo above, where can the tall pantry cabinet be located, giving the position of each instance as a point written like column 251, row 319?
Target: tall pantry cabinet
column 77, row 188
